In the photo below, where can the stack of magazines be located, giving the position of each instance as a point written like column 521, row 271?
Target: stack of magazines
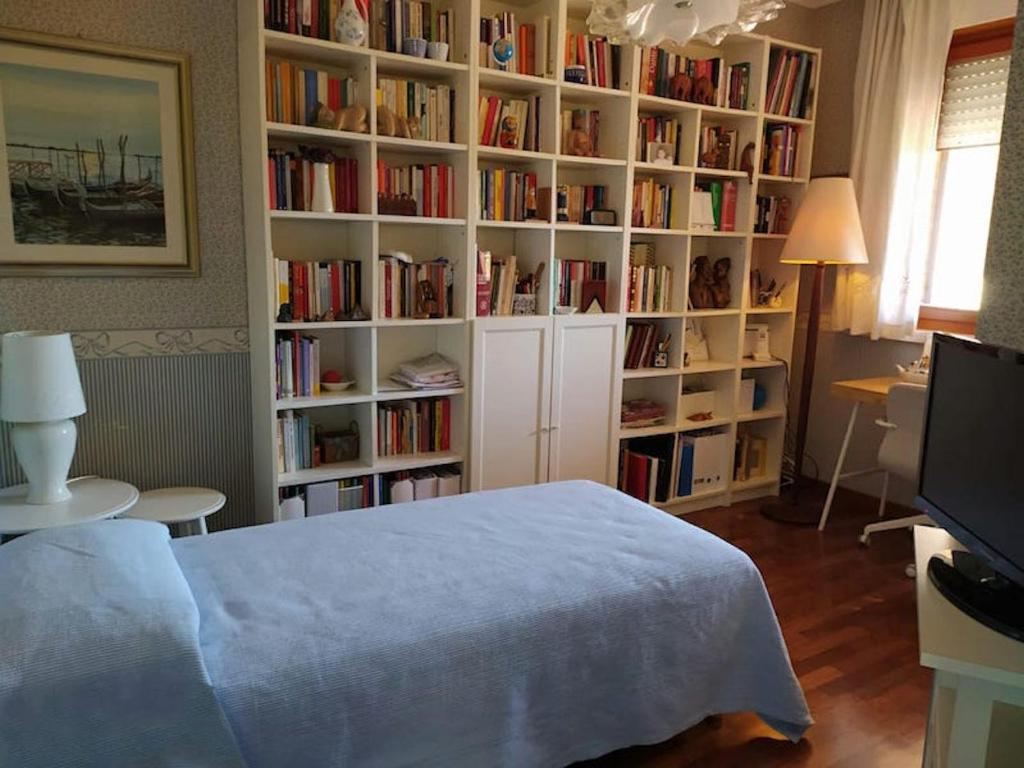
column 431, row 372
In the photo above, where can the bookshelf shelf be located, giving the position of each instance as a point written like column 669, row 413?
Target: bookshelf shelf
column 369, row 351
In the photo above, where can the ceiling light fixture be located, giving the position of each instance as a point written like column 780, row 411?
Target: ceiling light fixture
column 649, row 22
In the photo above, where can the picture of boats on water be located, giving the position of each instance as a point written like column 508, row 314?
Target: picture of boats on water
column 83, row 158
column 96, row 160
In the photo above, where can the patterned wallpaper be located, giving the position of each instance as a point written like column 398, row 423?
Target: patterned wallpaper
column 1001, row 320
column 207, row 32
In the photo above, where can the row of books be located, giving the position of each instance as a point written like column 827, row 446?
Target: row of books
column 729, row 83
column 654, row 468
column 642, row 342
column 297, row 361
column 780, row 149
column 580, row 282
column 293, row 92
column 751, row 458
column 790, row 83
column 719, row 148
column 652, row 204
column 644, row 469
column 530, row 46
column 400, row 287
column 496, row 281
column 650, row 285
column 430, row 187
column 772, row 216
column 392, row 21
column 656, row 129
column 509, row 123
column 407, row 427
column 298, row 501
column 324, row 290
column 507, row 195
column 600, row 59
column 431, row 106
column 296, row 442
column 398, row 487
column 574, row 202
column 308, row 18
column 587, row 120
column 291, row 181
column 714, row 206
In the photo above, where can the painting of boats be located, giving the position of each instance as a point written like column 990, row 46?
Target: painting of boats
column 85, row 160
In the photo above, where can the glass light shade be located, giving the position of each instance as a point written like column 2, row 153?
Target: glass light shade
column 827, row 226
column 39, row 378
column 649, row 22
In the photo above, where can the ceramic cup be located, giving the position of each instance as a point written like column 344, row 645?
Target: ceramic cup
column 437, row 51
column 414, row 46
column 576, row 73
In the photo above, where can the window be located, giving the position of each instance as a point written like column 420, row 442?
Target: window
column 970, row 124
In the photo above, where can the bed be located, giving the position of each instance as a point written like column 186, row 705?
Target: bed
column 531, row 626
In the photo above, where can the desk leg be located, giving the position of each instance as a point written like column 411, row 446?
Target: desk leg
column 972, row 716
column 839, row 466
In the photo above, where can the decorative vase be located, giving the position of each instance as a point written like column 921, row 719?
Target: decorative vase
column 350, row 27
column 323, row 201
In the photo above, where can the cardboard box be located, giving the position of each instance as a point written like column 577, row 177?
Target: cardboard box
column 697, row 402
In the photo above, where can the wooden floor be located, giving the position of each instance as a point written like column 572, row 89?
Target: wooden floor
column 848, row 614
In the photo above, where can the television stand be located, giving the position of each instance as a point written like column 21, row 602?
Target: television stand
column 980, row 592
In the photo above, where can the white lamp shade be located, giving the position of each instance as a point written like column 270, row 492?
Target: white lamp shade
column 39, row 378
column 827, row 226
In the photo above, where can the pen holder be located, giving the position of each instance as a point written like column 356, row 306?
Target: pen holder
column 524, row 304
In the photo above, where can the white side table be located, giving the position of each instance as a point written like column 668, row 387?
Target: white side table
column 92, row 498
column 974, row 668
column 178, row 506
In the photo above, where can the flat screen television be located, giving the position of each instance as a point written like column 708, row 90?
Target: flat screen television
column 972, row 478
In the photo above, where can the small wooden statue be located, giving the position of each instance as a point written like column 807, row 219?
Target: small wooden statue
column 426, row 300
column 747, row 161
column 701, row 277
column 390, row 124
column 721, row 289
column 680, row 87
column 353, row 118
column 703, row 91
column 579, row 137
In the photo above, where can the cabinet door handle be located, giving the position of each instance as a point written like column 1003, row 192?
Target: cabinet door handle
column 553, row 428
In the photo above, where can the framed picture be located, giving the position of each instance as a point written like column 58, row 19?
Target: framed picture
column 660, row 152
column 96, row 159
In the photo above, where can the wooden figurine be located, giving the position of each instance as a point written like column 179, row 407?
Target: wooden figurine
column 353, row 118
column 390, row 124
column 747, row 161
column 426, row 300
column 701, row 277
column 703, row 91
column 721, row 288
column 579, row 137
column 680, row 87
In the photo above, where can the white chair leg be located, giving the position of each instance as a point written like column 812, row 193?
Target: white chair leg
column 894, row 525
column 885, row 494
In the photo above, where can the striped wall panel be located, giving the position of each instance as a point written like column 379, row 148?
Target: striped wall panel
column 161, row 421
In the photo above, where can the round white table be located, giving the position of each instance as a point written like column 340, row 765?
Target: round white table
column 179, row 506
column 92, row 498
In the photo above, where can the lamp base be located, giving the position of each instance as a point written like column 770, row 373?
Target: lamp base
column 44, row 450
column 802, row 505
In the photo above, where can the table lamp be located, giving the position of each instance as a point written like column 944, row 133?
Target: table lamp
column 826, row 231
column 40, row 392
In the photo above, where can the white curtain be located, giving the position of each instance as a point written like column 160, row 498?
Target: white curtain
column 897, row 94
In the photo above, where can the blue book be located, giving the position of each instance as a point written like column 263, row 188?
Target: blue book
column 311, row 97
column 796, row 105
column 685, row 484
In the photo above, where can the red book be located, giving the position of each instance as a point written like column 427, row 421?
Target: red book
column 353, row 186
column 427, row 173
column 446, row 425
column 314, row 21
column 729, row 197
column 601, row 79
column 293, row 24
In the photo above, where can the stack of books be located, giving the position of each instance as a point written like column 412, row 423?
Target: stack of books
column 641, row 343
column 399, row 279
column 408, row 427
column 662, row 130
column 645, row 468
column 650, row 285
column 652, row 204
column 431, row 106
column 573, row 202
column 790, row 83
column 579, row 282
column 530, row 46
column 391, row 21
column 496, row 279
column 599, row 58
column 641, row 412
column 291, row 182
column 293, row 92
column 509, row 123
column 430, row 187
column 751, row 456
column 772, row 215
column 730, row 84
column 296, row 438
column 588, row 120
column 297, row 359
column 780, row 149
column 308, row 18
column 714, row 206
column 324, row 290
column 397, row 487
column 719, row 148
column 507, row 195
column 432, row 371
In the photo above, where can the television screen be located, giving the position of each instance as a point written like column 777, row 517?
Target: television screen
column 972, row 461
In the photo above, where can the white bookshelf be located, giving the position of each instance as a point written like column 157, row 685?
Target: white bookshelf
column 371, row 349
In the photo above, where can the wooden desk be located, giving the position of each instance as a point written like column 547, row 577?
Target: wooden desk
column 873, row 391
column 974, row 667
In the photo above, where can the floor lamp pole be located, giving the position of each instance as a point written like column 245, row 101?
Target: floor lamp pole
column 788, row 510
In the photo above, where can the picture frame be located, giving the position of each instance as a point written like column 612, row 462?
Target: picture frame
column 661, row 153
column 97, row 166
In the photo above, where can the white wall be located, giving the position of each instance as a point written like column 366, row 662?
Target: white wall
column 969, row 12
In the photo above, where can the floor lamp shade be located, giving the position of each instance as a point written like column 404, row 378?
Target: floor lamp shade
column 827, row 228
column 40, row 392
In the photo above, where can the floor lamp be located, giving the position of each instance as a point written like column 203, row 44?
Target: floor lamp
column 826, row 231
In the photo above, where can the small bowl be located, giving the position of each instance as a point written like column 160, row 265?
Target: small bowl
column 565, row 310
column 336, row 386
column 437, row 51
column 414, row 46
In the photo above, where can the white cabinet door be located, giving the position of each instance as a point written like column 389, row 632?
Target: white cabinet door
column 511, row 402
column 586, row 398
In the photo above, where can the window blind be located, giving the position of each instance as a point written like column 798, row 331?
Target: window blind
column 973, row 99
